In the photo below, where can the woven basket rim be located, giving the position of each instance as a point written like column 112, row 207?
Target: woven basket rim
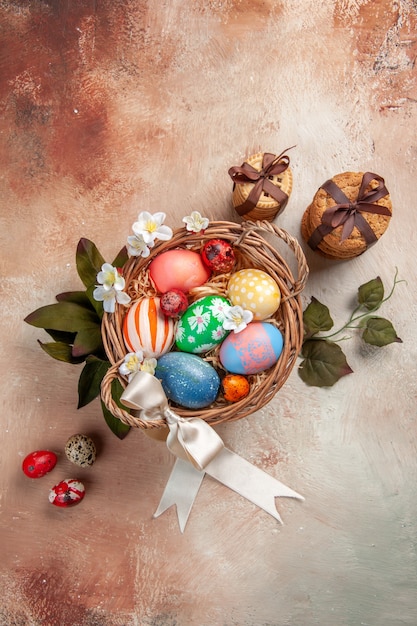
column 253, row 250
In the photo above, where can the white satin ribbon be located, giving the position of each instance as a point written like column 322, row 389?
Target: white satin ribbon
column 200, row 450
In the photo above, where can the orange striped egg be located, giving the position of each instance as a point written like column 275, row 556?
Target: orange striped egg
column 146, row 328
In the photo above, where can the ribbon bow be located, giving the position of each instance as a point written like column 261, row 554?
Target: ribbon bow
column 246, row 173
column 199, row 451
column 348, row 214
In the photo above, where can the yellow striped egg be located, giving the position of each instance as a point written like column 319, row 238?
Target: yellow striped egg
column 146, row 328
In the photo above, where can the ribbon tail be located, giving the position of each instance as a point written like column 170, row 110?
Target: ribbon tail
column 181, row 489
column 249, row 481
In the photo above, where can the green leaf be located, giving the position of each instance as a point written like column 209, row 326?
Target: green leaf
column 87, row 341
column 316, row 318
column 90, row 380
column 121, row 258
column 65, row 316
column 324, row 363
column 60, row 351
column 77, row 297
column 371, row 294
column 61, row 336
column 95, row 304
column 116, row 426
column 88, row 261
column 379, row 332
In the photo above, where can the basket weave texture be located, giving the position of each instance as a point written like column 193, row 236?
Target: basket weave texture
column 253, row 249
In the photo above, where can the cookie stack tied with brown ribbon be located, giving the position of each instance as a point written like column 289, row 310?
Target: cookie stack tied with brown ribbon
column 349, row 213
column 262, row 186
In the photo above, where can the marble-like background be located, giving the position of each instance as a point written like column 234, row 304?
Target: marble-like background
column 110, row 108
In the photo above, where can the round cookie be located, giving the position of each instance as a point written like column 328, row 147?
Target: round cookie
column 307, row 230
column 267, row 207
column 368, row 225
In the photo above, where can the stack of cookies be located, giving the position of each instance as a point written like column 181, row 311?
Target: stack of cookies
column 349, row 212
column 262, row 186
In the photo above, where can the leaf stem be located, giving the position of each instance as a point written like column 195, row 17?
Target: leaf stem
column 354, row 318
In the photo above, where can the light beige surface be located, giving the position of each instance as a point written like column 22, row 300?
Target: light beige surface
column 108, row 109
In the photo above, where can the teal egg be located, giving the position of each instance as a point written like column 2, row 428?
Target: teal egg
column 187, row 379
column 200, row 328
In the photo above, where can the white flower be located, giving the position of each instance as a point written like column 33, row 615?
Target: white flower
column 136, row 246
column 195, row 222
column 110, row 288
column 150, row 227
column 237, row 319
column 131, row 364
column 149, row 366
column 109, row 277
column 134, row 363
column 109, row 297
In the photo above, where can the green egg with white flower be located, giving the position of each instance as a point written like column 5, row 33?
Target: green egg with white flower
column 200, row 327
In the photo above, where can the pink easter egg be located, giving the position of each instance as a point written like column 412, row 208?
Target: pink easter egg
column 178, row 269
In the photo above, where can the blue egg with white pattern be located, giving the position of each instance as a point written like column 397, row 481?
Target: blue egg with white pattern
column 188, row 380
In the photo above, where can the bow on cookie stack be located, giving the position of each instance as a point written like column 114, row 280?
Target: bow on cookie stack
column 348, row 213
column 262, row 186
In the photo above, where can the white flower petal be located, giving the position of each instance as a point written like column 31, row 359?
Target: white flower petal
column 124, row 370
column 149, row 366
column 145, row 216
column 119, row 283
column 122, row 297
column 109, row 304
column 159, row 217
column 98, row 293
column 247, row 316
column 164, row 232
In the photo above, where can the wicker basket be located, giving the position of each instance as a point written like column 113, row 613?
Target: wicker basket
column 251, row 241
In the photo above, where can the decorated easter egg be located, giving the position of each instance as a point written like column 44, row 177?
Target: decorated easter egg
column 255, row 291
column 187, row 379
column 200, row 328
column 218, row 255
column 146, row 328
column 173, row 303
column 256, row 348
column 37, row 464
column 81, row 450
column 178, row 269
column 235, row 387
column 67, row 493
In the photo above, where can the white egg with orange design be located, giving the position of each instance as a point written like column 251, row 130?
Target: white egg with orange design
column 146, row 328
